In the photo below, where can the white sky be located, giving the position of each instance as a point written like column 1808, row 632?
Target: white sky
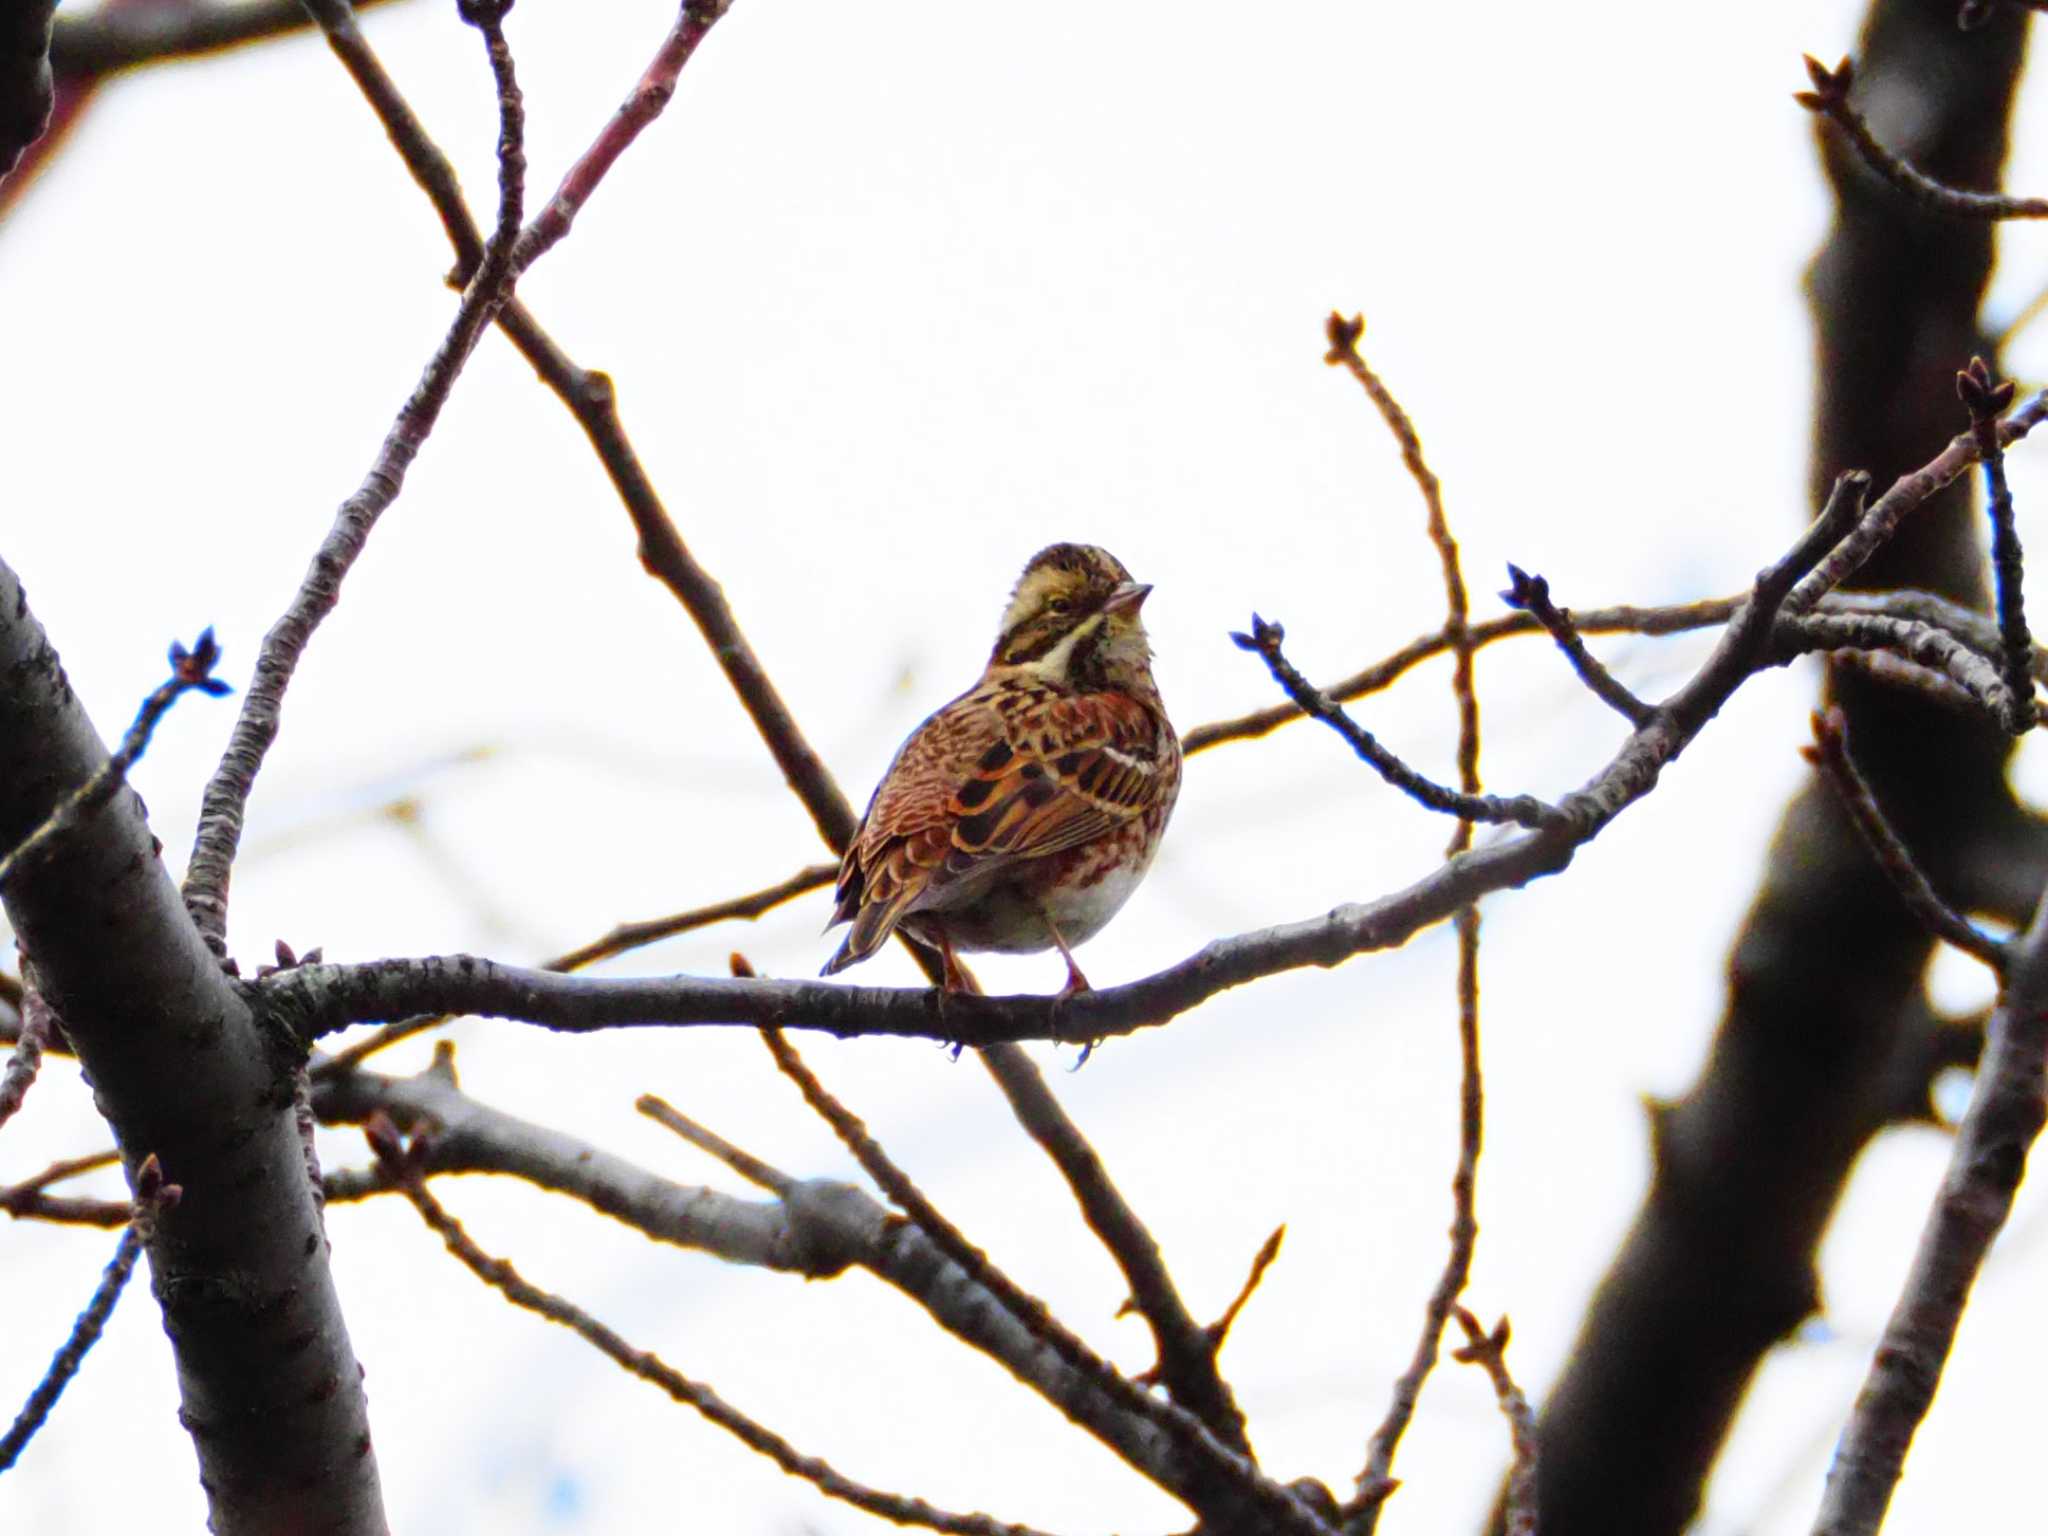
column 895, row 295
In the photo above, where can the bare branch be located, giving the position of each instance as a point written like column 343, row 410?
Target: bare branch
column 507, row 1281
column 1213, row 1479
column 1531, row 594
column 112, row 38
column 1985, row 1168
column 817, row 1229
column 625, row 937
column 1906, row 494
column 1830, row 99
column 1830, row 754
column 1521, row 810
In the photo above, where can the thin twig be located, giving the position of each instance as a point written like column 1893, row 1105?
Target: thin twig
column 1269, row 1250
column 189, row 670
column 151, row 1195
column 26, row 1059
column 1986, row 402
column 1830, row 99
column 1985, row 1167
column 745, row 1164
column 400, row 1164
column 1265, row 641
column 1531, row 594
column 1830, row 754
column 1186, row 1351
column 224, row 804
column 1375, row 1481
column 1489, row 1351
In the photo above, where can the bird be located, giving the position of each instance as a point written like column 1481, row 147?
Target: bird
column 1020, row 816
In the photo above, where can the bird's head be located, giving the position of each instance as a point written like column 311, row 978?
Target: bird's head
column 1073, row 620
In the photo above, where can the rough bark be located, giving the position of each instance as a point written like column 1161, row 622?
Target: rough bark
column 271, row 1392
column 1825, row 982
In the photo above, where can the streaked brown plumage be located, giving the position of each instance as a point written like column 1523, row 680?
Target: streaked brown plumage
column 1021, row 815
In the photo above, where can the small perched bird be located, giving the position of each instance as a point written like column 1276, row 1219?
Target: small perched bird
column 1022, row 815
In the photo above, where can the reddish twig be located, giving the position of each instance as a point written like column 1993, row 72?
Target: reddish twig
column 190, row 670
column 152, row 1195
column 1829, row 98
column 641, row 107
column 1830, row 754
column 401, row 1165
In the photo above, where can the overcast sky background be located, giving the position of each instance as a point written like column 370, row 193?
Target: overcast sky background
column 895, row 295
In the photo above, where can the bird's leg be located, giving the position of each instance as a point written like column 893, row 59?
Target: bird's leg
column 1076, row 982
column 957, row 980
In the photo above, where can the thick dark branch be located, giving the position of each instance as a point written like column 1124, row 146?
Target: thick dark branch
column 1984, row 1172
column 270, row 1387
column 1830, row 753
column 117, row 37
column 508, row 1282
column 27, row 87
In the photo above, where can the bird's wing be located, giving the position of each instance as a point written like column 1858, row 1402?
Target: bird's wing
column 1000, row 775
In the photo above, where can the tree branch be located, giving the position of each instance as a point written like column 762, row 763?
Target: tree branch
column 1985, row 1168
column 508, row 1282
column 271, row 1391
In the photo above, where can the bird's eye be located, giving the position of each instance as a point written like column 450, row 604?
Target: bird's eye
column 1060, row 604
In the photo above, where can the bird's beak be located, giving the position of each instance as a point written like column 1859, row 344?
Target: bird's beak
column 1127, row 597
